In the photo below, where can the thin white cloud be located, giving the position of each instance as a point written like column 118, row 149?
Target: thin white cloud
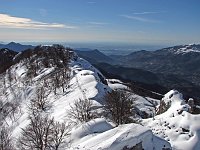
column 145, row 13
column 97, row 23
column 141, row 19
column 148, row 12
column 7, row 21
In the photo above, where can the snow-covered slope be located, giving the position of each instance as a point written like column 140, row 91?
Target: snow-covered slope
column 184, row 49
column 85, row 83
column 22, row 82
column 177, row 125
column 118, row 138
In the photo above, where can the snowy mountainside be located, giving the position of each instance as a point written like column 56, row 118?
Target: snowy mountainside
column 174, row 67
column 63, row 80
column 184, row 49
column 122, row 137
column 84, row 83
column 22, row 82
column 176, row 125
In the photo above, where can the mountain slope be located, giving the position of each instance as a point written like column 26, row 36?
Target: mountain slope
column 177, row 67
column 64, row 78
column 171, row 68
column 179, row 60
column 157, row 82
column 32, row 72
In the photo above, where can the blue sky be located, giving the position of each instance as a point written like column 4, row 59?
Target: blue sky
column 126, row 21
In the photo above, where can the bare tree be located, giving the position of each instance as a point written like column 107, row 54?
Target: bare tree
column 9, row 109
column 119, row 104
column 10, row 77
column 35, row 136
column 61, row 79
column 5, row 139
column 41, row 101
column 43, row 133
column 64, row 78
column 80, row 111
column 60, row 131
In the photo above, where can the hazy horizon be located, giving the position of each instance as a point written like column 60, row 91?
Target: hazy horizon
column 108, row 48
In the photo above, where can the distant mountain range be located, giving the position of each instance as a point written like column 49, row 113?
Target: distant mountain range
column 170, row 68
column 16, row 46
column 173, row 67
column 182, row 61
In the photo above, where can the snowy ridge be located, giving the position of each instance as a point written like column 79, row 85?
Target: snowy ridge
column 84, row 83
